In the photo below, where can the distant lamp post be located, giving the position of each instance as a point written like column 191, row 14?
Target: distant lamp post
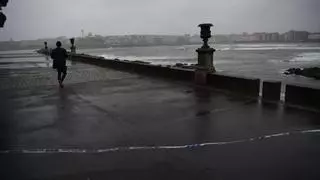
column 46, row 49
column 73, row 47
column 205, row 34
column 205, row 56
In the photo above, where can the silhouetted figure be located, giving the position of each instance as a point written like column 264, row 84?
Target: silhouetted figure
column 46, row 49
column 3, row 18
column 59, row 56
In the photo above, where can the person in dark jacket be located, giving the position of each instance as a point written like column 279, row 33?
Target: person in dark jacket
column 59, row 56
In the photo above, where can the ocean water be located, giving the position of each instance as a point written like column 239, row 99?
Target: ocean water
column 264, row 61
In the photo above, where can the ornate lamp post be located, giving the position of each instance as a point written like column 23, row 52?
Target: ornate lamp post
column 205, row 34
column 205, row 56
column 205, row 53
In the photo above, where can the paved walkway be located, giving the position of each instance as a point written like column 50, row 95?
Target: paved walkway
column 110, row 124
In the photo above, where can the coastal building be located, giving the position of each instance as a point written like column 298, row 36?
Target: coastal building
column 218, row 38
column 260, row 36
column 296, row 36
column 289, row 36
column 235, row 37
column 254, row 38
column 268, row 36
column 314, row 37
column 112, row 41
column 282, row 37
column 301, row 35
column 275, row 37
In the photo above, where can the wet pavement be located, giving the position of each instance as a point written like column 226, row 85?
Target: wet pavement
column 107, row 124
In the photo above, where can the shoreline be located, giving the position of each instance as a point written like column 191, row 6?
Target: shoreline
column 311, row 72
column 185, row 44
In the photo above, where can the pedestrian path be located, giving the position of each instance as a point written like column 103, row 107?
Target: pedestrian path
column 108, row 124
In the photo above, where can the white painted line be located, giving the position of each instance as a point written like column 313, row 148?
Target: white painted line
column 137, row 148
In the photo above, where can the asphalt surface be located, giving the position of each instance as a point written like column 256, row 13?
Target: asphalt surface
column 107, row 124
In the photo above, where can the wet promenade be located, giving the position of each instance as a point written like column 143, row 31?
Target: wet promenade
column 108, row 124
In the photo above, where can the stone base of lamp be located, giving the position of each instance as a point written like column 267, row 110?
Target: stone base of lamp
column 205, row 59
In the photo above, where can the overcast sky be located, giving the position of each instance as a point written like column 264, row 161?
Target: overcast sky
column 32, row 19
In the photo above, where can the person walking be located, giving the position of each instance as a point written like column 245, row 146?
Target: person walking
column 59, row 56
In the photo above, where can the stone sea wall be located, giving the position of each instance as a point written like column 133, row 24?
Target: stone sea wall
column 269, row 90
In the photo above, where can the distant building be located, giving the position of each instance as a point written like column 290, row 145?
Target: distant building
column 289, row 36
column 254, row 37
column 268, row 37
column 219, row 38
column 296, row 36
column 314, row 37
column 282, row 37
column 301, row 35
column 261, row 36
column 236, row 37
column 112, row 41
column 275, row 37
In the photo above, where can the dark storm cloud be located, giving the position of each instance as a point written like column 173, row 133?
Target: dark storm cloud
column 30, row 19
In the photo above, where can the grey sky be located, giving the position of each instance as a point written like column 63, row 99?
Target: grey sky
column 31, row 19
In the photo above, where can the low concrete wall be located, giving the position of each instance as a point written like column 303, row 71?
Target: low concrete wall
column 303, row 96
column 138, row 67
column 240, row 85
column 271, row 90
column 246, row 86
